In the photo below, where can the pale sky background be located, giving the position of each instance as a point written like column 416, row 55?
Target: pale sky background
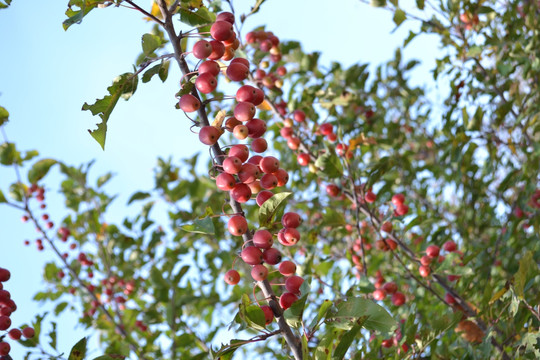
column 46, row 74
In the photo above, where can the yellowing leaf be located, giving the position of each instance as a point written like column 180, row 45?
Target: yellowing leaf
column 218, row 121
column 264, row 106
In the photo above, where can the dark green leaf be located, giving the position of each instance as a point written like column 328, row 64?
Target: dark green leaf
column 52, row 335
column 9, row 154
column 2, row 197
column 527, row 270
column 78, row 352
column 270, row 207
column 347, row 339
column 200, row 226
column 150, row 43
column 123, row 86
column 399, row 16
column 201, row 16
column 76, row 16
column 4, row 116
column 40, row 169
column 330, row 165
column 354, row 308
column 139, row 195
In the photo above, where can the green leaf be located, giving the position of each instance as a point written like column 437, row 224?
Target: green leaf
column 150, row 43
column 294, row 314
column 351, row 310
column 194, row 18
column 527, row 270
column 330, row 165
column 474, row 51
column 105, row 357
column 226, row 352
column 323, row 309
column 60, row 307
column 78, row 352
column 40, row 169
column 123, row 86
column 76, row 16
column 9, row 154
column 251, row 314
column 270, row 207
column 164, row 70
column 200, row 226
column 347, row 339
column 399, row 17
column 378, row 3
column 139, row 195
column 4, row 115
column 420, row 4
column 52, row 335
column 2, row 197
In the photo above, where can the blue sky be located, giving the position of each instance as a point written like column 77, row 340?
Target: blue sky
column 46, row 74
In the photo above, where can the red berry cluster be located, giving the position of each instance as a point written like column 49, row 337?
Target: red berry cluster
column 7, row 307
column 240, row 174
column 384, row 288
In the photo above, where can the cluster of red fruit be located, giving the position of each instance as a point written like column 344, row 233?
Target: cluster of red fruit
column 7, row 307
column 383, row 288
column 240, row 174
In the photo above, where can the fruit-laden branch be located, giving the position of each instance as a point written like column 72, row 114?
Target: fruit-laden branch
column 377, row 224
column 292, row 341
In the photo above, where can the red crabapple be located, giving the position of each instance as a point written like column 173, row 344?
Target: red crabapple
column 218, row 50
column 291, row 235
column 402, row 209
column 432, row 251
column 232, row 277
column 237, row 225
column 241, row 193
column 244, row 111
column 263, row 196
column 299, row 116
column 425, row 260
column 189, row 103
column 222, row 30
column 287, row 268
column 209, row 66
column 424, row 270
column 5, row 322
column 271, row 256
column 263, row 239
column 237, row 72
column 286, row 300
column 5, row 348
column 268, row 314
column 249, row 173
column 232, row 165
column 225, row 181
column 269, row 164
column 15, row 334
column 240, row 132
column 202, row 49
column 370, row 197
column 256, row 127
column 259, row 145
column 259, row 272
column 390, row 287
column 332, row 190
column 225, row 16
column 252, row 255
column 450, row 246
column 240, row 151
column 398, row 199
column 4, row 275
column 326, row 129
column 206, row 83
column 269, row 181
column 282, row 176
column 379, row 294
column 398, row 299
column 291, row 220
column 303, row 159
column 293, row 283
